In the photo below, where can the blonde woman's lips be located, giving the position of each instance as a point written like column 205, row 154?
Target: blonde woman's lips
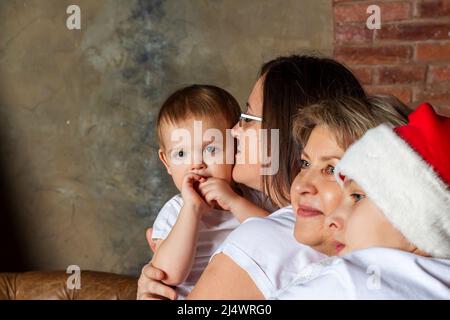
column 305, row 211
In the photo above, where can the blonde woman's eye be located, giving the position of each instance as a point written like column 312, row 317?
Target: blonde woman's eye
column 304, row 164
column 330, row 170
column 357, row 197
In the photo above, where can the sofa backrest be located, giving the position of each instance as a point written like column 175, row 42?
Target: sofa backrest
column 52, row 285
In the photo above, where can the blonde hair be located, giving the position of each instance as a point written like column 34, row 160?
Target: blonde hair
column 348, row 118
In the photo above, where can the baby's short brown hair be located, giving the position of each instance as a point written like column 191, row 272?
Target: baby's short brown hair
column 201, row 101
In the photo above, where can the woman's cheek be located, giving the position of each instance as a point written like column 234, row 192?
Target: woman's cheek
column 331, row 197
column 224, row 171
column 295, row 191
column 248, row 174
column 309, row 231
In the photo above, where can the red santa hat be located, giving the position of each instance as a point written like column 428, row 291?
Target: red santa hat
column 405, row 171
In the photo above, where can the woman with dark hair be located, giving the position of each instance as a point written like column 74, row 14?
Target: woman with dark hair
column 285, row 85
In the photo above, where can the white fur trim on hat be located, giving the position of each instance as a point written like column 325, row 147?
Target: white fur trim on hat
column 404, row 186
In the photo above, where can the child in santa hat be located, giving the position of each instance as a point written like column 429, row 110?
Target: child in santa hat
column 392, row 228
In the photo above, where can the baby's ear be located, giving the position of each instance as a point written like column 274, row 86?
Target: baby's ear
column 163, row 158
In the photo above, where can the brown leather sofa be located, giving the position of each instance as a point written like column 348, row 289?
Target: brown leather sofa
column 52, row 285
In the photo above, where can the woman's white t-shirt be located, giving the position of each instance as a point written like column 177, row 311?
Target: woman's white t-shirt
column 267, row 250
column 214, row 227
column 374, row 273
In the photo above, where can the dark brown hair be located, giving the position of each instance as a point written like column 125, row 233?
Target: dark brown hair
column 197, row 100
column 291, row 83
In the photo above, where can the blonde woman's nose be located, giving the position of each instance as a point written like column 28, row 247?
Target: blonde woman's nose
column 305, row 184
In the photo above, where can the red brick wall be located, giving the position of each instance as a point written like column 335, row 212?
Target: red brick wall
column 408, row 57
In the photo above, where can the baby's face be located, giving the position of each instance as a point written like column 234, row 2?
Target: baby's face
column 358, row 223
column 201, row 146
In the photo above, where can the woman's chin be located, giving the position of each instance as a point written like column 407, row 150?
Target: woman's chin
column 299, row 235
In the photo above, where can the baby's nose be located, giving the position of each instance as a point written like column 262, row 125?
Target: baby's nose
column 198, row 166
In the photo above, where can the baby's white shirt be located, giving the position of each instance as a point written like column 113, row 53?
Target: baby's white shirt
column 214, row 227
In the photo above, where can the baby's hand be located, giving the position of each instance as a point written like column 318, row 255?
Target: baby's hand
column 218, row 191
column 191, row 196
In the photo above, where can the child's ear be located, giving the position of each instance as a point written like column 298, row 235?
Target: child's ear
column 163, row 158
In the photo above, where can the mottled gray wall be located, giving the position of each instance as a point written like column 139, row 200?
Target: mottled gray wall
column 77, row 109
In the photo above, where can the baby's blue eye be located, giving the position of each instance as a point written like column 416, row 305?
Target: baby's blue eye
column 304, row 164
column 210, row 149
column 357, row 197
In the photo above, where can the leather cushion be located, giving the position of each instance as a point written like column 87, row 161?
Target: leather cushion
column 52, row 285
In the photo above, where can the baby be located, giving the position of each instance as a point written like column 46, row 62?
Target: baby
column 393, row 223
column 197, row 149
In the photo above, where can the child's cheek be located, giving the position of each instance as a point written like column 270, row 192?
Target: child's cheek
column 351, row 230
column 178, row 173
